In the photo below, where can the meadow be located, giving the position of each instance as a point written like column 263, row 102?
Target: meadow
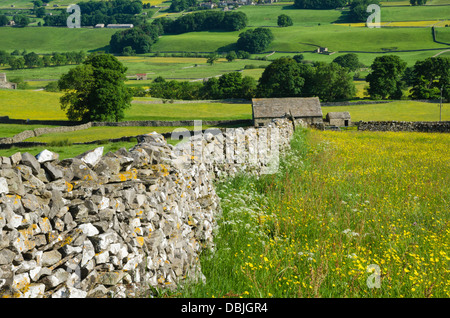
column 41, row 105
column 407, row 110
column 181, row 68
column 52, row 39
column 355, row 214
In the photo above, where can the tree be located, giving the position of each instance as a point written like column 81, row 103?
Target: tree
column 79, row 57
column 212, row 58
column 281, row 78
column 3, row 20
column 46, row 60
column 284, row 20
column 37, row 3
column 417, row 2
column 128, row 51
column 248, row 89
column 231, row 56
column 95, row 90
column 59, row 59
column 429, row 77
column 181, row 5
column 385, row 79
column 358, row 9
column 32, row 59
column 21, row 20
column 319, row 4
column 231, row 85
column 234, row 21
column 4, row 57
column 349, row 61
column 40, row 12
column 330, row 82
column 255, row 41
column 16, row 62
column 298, row 58
column 211, row 89
column 136, row 38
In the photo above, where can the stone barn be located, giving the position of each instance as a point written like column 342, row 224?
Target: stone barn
column 4, row 82
column 266, row 109
column 339, row 119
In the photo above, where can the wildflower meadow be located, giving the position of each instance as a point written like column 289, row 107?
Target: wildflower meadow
column 349, row 214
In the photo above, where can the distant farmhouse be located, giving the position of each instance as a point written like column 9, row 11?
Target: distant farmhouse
column 119, row 26
column 265, row 109
column 4, row 82
column 141, row 77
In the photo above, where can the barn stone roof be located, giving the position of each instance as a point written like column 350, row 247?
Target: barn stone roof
column 338, row 115
column 279, row 107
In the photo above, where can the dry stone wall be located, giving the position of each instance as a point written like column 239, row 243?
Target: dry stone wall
column 413, row 126
column 116, row 224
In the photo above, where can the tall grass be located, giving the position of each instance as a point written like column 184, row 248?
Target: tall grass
column 341, row 205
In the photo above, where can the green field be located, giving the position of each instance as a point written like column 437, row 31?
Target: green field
column 267, row 15
column 414, row 13
column 39, row 105
column 443, row 35
column 28, row 4
column 183, row 68
column 296, row 38
column 399, row 110
column 167, row 67
column 52, row 39
column 365, row 58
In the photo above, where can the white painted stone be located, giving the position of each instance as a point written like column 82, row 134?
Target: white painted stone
column 88, row 229
column 46, row 155
column 3, row 186
column 93, row 157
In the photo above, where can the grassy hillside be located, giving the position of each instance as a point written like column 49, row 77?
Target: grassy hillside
column 51, row 39
column 267, row 15
column 297, row 38
column 414, row 13
column 443, row 35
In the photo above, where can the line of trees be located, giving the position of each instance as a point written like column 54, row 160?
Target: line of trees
column 181, row 5
column 106, row 12
column 390, row 76
column 204, row 21
column 319, row 4
column 285, row 77
column 32, row 59
column 141, row 38
column 19, row 20
column 229, row 85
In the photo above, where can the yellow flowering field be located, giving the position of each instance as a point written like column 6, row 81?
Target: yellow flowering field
column 349, row 214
